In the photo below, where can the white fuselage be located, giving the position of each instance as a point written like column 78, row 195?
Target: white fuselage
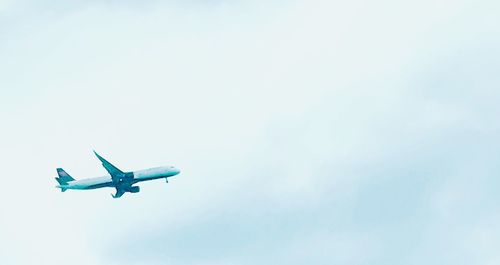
column 140, row 175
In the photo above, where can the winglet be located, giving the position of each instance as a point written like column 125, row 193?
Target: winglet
column 104, row 161
column 98, row 156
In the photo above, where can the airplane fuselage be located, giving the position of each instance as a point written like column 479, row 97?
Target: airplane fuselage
column 120, row 180
column 133, row 177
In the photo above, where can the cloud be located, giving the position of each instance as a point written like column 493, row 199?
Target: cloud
column 320, row 131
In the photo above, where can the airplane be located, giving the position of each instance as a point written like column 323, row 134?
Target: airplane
column 121, row 181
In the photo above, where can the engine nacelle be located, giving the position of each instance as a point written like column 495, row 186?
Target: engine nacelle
column 134, row 189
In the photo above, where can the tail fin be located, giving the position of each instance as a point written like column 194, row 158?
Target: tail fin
column 64, row 177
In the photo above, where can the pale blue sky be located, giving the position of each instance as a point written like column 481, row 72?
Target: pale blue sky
column 307, row 132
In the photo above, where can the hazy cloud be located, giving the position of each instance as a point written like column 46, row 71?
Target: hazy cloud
column 306, row 131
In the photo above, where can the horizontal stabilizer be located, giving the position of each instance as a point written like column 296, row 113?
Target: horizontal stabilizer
column 63, row 189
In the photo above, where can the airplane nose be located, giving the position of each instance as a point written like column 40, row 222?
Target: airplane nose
column 177, row 171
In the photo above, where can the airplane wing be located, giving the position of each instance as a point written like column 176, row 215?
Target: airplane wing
column 116, row 174
column 119, row 193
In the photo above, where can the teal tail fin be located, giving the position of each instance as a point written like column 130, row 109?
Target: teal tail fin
column 63, row 178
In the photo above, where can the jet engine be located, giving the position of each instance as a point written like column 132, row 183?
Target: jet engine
column 134, row 189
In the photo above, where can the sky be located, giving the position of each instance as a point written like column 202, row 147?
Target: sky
column 307, row 131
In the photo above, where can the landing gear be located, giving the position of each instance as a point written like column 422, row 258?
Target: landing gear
column 166, row 180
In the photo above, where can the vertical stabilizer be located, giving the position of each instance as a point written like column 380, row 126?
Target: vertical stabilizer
column 64, row 177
